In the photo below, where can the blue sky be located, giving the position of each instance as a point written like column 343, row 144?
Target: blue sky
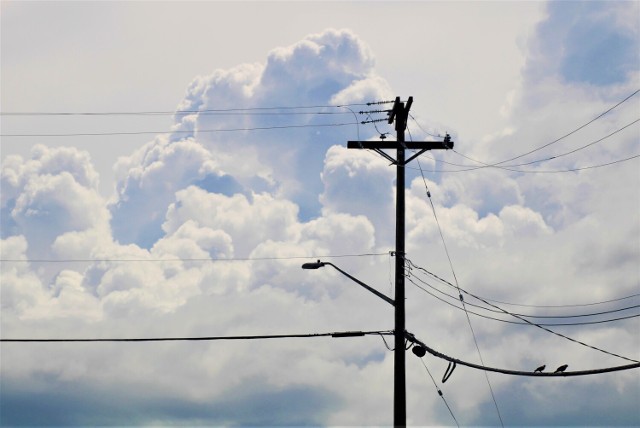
column 503, row 78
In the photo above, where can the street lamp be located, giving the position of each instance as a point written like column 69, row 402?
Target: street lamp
column 399, row 411
column 320, row 264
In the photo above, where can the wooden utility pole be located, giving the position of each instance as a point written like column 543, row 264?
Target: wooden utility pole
column 400, row 114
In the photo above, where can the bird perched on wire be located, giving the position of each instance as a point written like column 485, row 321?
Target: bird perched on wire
column 561, row 368
column 540, row 369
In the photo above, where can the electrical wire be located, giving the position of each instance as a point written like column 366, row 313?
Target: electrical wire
column 444, row 281
column 424, row 130
column 246, row 259
column 385, row 343
column 562, row 137
column 535, row 171
column 435, row 353
column 510, row 167
column 174, row 112
column 535, row 324
column 572, row 132
column 529, row 315
column 469, row 168
column 210, row 338
column 514, row 322
column 346, row 106
column 513, row 167
column 256, row 128
column 473, row 334
column 552, row 306
column 440, row 392
column 372, row 121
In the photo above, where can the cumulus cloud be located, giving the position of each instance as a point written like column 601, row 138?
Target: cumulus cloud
column 207, row 230
column 248, row 222
column 358, row 183
column 49, row 195
column 149, row 179
column 21, row 288
column 333, row 66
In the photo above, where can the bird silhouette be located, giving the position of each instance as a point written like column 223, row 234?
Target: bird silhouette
column 540, row 369
column 561, row 368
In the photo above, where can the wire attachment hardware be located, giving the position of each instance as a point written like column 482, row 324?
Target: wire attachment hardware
column 371, row 103
column 450, row 368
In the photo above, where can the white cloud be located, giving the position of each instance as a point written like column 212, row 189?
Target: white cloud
column 316, row 66
column 278, row 198
column 192, row 241
column 148, row 181
column 357, row 183
column 318, row 70
column 21, row 288
column 52, row 194
column 247, row 222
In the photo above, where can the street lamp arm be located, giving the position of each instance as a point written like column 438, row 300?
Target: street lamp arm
column 356, row 280
column 319, row 264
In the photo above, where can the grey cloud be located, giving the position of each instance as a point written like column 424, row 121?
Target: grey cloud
column 567, row 402
column 77, row 404
column 582, row 42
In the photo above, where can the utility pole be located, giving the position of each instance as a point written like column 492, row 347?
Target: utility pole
column 400, row 113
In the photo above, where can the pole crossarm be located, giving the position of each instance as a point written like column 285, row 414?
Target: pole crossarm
column 422, row 146
column 412, row 145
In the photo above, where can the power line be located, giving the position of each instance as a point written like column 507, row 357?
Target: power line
column 534, row 171
column 256, row 128
column 513, row 167
column 240, row 110
column 559, row 138
column 507, row 167
column 510, row 166
column 574, row 131
column 211, row 338
column 529, row 315
column 246, row 259
column 564, row 306
column 424, row 130
column 538, row 325
column 439, row 392
column 514, row 322
column 617, row 161
column 435, row 353
column 469, row 168
column 473, row 334
column 444, row 281
column 399, row 115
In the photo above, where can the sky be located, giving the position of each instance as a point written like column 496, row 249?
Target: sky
column 194, row 220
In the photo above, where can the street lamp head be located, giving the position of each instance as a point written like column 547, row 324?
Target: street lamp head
column 315, row 265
